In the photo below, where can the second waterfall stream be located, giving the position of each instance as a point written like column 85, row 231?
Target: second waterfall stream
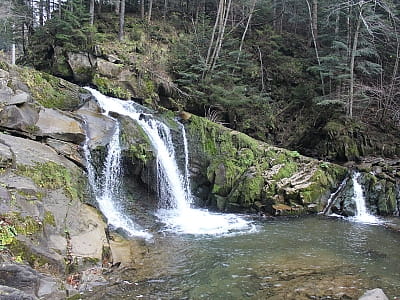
column 173, row 185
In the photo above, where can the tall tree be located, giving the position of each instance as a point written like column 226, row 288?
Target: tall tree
column 121, row 20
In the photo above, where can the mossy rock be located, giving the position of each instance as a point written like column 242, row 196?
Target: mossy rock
column 50, row 91
column 254, row 176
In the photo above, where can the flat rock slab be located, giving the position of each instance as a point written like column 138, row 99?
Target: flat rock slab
column 59, row 125
column 375, row 294
column 29, row 153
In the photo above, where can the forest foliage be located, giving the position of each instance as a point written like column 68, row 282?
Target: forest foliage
column 253, row 65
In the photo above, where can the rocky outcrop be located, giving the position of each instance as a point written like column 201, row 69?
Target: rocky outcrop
column 233, row 172
column 375, row 294
column 46, row 215
column 380, row 180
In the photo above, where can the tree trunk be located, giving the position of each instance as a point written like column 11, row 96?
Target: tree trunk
column 59, row 7
column 121, row 20
column 91, row 12
column 142, row 9
column 41, row 6
column 253, row 5
column 315, row 21
column 352, row 63
column 117, row 6
column 221, row 35
column 315, row 46
column 150, row 10
column 165, row 9
column 48, row 10
column 13, row 54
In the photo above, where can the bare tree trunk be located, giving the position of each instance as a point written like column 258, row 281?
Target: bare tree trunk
column 210, row 47
column 352, row 63
column 150, row 10
column 253, row 5
column 117, row 7
column 165, row 9
column 121, row 20
column 315, row 46
column 337, row 23
column 13, row 54
column 314, row 21
column 261, row 69
column 274, row 16
column 48, row 10
column 91, row 12
column 142, row 9
column 59, row 7
column 221, row 35
column 41, row 6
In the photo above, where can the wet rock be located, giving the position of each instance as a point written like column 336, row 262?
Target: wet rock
column 60, row 125
column 375, row 294
column 100, row 128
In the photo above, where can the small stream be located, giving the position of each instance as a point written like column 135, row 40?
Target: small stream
column 296, row 258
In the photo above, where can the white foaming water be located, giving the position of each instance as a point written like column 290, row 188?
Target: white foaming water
column 362, row 214
column 107, row 188
column 173, row 187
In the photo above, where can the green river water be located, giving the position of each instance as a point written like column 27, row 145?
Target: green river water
column 295, row 258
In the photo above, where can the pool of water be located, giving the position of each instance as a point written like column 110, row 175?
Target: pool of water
column 296, row 258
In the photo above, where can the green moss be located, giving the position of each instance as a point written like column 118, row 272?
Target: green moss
column 53, row 176
column 141, row 152
column 4, row 66
column 286, row 171
column 50, row 91
column 110, row 88
column 49, row 219
column 7, row 235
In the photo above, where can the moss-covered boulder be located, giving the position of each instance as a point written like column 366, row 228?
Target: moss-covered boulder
column 233, row 172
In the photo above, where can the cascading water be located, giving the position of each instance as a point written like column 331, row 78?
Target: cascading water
column 107, row 188
column 362, row 214
column 173, row 186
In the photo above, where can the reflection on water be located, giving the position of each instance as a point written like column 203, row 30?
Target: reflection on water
column 301, row 258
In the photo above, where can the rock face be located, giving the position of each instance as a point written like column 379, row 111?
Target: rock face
column 375, row 294
column 233, row 172
column 45, row 216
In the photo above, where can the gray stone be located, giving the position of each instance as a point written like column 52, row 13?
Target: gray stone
column 81, row 65
column 107, row 68
column 19, row 276
column 20, row 97
column 21, row 117
column 9, row 293
column 69, row 150
column 28, row 152
column 375, row 294
column 59, row 125
column 6, row 157
column 100, row 128
column 5, row 94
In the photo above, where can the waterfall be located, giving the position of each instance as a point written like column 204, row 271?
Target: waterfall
column 107, row 188
column 173, row 187
column 362, row 214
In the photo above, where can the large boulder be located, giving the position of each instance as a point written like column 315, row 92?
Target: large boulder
column 233, row 172
column 99, row 127
column 22, row 117
column 20, row 281
column 82, row 65
column 59, row 125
